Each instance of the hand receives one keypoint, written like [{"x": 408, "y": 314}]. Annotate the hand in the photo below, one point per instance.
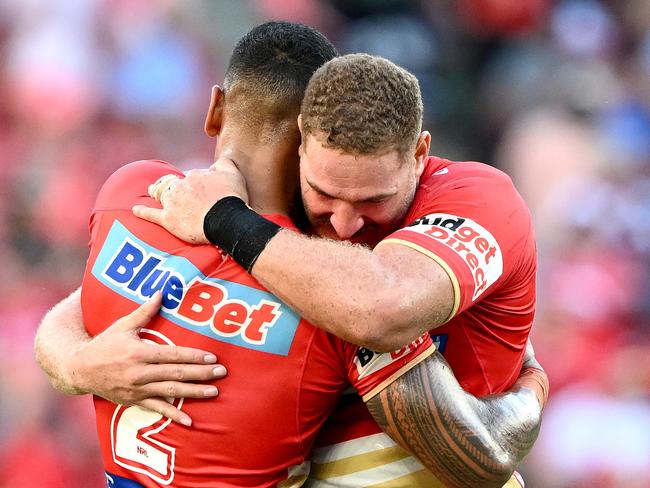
[
  {"x": 119, "y": 366},
  {"x": 530, "y": 361},
  {"x": 186, "y": 201},
  {"x": 533, "y": 376}
]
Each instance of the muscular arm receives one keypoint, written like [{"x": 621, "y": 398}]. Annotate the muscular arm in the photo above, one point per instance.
[
  {"x": 58, "y": 338},
  {"x": 463, "y": 440},
  {"x": 380, "y": 299},
  {"x": 117, "y": 364}
]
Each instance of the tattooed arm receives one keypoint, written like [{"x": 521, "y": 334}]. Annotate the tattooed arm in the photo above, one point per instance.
[{"x": 463, "y": 440}]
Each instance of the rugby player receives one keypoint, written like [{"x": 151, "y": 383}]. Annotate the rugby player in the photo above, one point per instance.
[
  {"x": 453, "y": 247},
  {"x": 260, "y": 195}
]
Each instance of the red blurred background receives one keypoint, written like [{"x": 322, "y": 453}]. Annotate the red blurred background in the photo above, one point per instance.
[{"x": 555, "y": 93}]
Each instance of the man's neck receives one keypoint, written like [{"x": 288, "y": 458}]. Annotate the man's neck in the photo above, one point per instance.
[{"x": 270, "y": 171}]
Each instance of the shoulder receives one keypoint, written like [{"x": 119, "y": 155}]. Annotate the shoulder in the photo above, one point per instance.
[
  {"x": 144, "y": 169},
  {"x": 129, "y": 184},
  {"x": 465, "y": 188},
  {"x": 446, "y": 176}
]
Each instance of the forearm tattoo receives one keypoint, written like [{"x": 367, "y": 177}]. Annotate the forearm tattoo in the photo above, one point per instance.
[{"x": 464, "y": 441}]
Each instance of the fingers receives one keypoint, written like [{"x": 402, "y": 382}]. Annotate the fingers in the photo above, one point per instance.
[
  {"x": 166, "y": 409},
  {"x": 176, "y": 389},
  {"x": 161, "y": 185},
  {"x": 142, "y": 315},
  {"x": 530, "y": 351},
  {"x": 157, "y": 353},
  {"x": 154, "y": 215},
  {"x": 180, "y": 372},
  {"x": 530, "y": 361}
]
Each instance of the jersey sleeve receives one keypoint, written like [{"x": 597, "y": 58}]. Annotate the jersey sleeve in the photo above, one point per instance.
[
  {"x": 476, "y": 231},
  {"x": 126, "y": 187},
  {"x": 370, "y": 372},
  {"x": 129, "y": 185}
]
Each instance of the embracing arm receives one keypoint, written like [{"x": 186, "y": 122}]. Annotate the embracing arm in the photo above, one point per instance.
[
  {"x": 396, "y": 293},
  {"x": 393, "y": 291},
  {"x": 141, "y": 374},
  {"x": 59, "y": 336},
  {"x": 463, "y": 440}
]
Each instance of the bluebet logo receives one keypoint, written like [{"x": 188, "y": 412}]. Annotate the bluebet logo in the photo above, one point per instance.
[{"x": 220, "y": 309}]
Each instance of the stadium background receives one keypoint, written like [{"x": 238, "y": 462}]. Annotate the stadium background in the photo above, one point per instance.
[{"x": 555, "y": 93}]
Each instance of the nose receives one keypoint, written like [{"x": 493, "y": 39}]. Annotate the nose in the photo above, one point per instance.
[{"x": 345, "y": 220}]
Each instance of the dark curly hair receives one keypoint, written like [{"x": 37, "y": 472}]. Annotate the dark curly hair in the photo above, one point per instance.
[{"x": 272, "y": 65}]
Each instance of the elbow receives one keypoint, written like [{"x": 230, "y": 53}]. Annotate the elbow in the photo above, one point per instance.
[
  {"x": 380, "y": 342},
  {"x": 497, "y": 469},
  {"x": 488, "y": 470},
  {"x": 503, "y": 471},
  {"x": 38, "y": 350},
  {"x": 377, "y": 335},
  {"x": 504, "y": 459},
  {"x": 390, "y": 325}
]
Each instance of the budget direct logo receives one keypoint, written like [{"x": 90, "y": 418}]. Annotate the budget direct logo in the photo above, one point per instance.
[
  {"x": 472, "y": 242},
  {"x": 222, "y": 310}
]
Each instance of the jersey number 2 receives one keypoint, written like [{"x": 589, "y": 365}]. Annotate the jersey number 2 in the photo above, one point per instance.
[{"x": 133, "y": 434}]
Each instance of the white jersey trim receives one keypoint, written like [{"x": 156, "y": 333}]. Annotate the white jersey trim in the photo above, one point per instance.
[{"x": 353, "y": 447}]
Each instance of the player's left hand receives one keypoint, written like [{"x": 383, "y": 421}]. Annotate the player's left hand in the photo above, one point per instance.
[
  {"x": 530, "y": 361},
  {"x": 186, "y": 201}
]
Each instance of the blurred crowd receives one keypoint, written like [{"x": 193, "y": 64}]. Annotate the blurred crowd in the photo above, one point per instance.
[{"x": 556, "y": 93}]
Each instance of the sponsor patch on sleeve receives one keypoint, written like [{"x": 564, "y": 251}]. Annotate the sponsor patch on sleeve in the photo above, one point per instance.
[
  {"x": 473, "y": 243},
  {"x": 369, "y": 362},
  {"x": 373, "y": 371}
]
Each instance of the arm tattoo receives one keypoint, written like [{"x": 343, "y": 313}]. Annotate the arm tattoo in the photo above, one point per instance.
[{"x": 464, "y": 441}]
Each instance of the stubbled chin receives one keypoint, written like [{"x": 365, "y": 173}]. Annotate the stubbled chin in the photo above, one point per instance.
[
  {"x": 325, "y": 232},
  {"x": 330, "y": 233},
  {"x": 366, "y": 241}
]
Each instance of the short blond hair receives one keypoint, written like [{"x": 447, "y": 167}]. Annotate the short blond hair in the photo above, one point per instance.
[{"x": 364, "y": 105}]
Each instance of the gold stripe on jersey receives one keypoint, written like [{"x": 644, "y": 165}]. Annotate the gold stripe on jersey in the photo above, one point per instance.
[
  {"x": 441, "y": 262},
  {"x": 429, "y": 351},
  {"x": 364, "y": 462},
  {"x": 360, "y": 462},
  {"x": 352, "y": 447},
  {"x": 391, "y": 467},
  {"x": 515, "y": 481},
  {"x": 400, "y": 474},
  {"x": 293, "y": 482},
  {"x": 420, "y": 478},
  {"x": 296, "y": 476},
  {"x": 374, "y": 461}
]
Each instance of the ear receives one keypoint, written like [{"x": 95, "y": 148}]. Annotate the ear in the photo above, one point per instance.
[
  {"x": 300, "y": 148},
  {"x": 422, "y": 151},
  {"x": 214, "y": 117}
]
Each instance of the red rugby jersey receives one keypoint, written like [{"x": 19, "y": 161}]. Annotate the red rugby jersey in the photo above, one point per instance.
[
  {"x": 284, "y": 375},
  {"x": 469, "y": 218}
]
